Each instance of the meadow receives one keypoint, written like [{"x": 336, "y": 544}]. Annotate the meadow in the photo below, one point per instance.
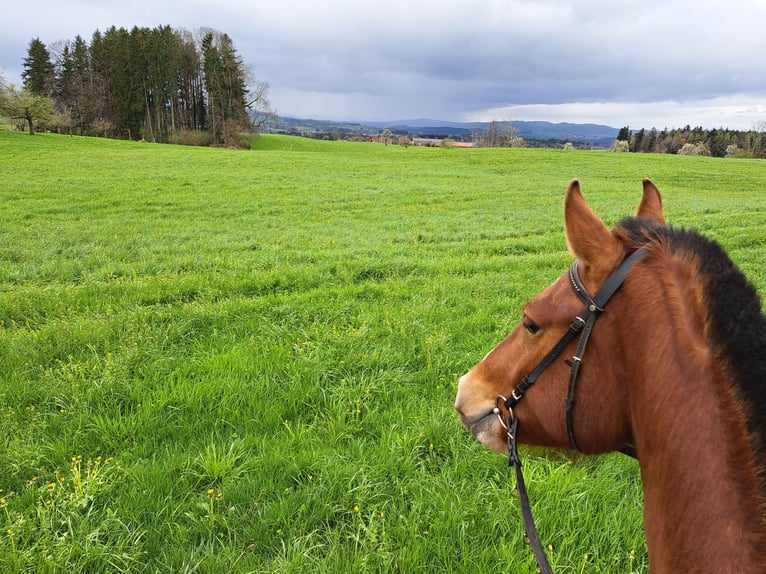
[{"x": 225, "y": 361}]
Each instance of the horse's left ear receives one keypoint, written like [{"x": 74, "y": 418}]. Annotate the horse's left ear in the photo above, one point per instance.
[
  {"x": 651, "y": 203},
  {"x": 588, "y": 238}
]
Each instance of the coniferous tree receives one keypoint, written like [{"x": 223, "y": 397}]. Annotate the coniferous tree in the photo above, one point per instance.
[
  {"x": 38, "y": 73},
  {"x": 82, "y": 97},
  {"x": 226, "y": 89},
  {"x": 190, "y": 84},
  {"x": 624, "y": 134}
]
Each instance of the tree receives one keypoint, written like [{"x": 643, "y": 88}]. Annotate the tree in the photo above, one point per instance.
[
  {"x": 636, "y": 144},
  {"x": 499, "y": 134},
  {"x": 651, "y": 140},
  {"x": 22, "y": 104},
  {"x": 81, "y": 86},
  {"x": 190, "y": 85},
  {"x": 624, "y": 134},
  {"x": 755, "y": 140},
  {"x": 226, "y": 88},
  {"x": 258, "y": 103},
  {"x": 38, "y": 70}
]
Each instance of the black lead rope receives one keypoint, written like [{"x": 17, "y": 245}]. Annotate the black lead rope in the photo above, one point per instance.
[
  {"x": 526, "y": 508},
  {"x": 584, "y": 322}
]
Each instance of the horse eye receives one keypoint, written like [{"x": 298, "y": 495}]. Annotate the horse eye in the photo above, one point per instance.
[{"x": 531, "y": 326}]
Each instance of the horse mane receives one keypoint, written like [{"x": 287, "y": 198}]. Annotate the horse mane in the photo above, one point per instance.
[{"x": 736, "y": 323}]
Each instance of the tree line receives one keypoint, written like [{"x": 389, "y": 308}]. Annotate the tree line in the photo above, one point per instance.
[
  {"x": 157, "y": 84},
  {"x": 697, "y": 141}
]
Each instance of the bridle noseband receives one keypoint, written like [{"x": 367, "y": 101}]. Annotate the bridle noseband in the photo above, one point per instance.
[{"x": 583, "y": 324}]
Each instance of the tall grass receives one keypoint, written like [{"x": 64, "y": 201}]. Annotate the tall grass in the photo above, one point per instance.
[{"x": 216, "y": 360}]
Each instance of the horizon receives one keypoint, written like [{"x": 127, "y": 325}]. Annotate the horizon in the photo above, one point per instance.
[{"x": 436, "y": 123}]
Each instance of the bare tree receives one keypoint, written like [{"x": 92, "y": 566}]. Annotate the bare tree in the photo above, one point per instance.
[
  {"x": 754, "y": 144},
  {"x": 499, "y": 134},
  {"x": 258, "y": 102}
]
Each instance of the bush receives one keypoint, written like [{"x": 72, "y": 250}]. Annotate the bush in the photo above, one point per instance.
[
  {"x": 694, "y": 149},
  {"x": 620, "y": 146},
  {"x": 192, "y": 138},
  {"x": 734, "y": 151}
]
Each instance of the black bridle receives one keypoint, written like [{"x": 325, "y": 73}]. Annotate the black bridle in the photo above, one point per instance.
[{"x": 582, "y": 324}]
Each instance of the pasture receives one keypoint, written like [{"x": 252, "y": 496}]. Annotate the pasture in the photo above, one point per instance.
[{"x": 224, "y": 361}]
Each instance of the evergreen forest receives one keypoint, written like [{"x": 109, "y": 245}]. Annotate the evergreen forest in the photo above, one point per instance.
[{"x": 157, "y": 84}]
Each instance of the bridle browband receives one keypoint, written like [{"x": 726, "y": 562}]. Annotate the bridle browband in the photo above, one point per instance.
[{"x": 583, "y": 324}]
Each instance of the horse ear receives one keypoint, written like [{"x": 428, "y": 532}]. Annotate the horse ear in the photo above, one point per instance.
[
  {"x": 651, "y": 203},
  {"x": 588, "y": 238}
]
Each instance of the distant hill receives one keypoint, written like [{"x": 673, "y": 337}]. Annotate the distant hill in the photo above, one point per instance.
[{"x": 594, "y": 134}]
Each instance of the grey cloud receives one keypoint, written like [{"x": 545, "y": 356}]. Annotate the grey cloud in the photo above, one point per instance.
[{"x": 364, "y": 60}]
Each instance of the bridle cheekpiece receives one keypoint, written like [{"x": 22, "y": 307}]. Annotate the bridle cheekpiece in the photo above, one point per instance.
[{"x": 582, "y": 324}]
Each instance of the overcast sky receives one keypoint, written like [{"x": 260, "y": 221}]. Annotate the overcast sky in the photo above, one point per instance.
[{"x": 643, "y": 63}]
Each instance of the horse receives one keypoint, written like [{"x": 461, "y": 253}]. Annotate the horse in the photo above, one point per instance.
[{"x": 674, "y": 374}]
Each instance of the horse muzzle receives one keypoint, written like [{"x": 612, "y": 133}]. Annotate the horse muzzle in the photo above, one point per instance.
[{"x": 479, "y": 416}]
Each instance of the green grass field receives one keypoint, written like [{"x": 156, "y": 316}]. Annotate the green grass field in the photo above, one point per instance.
[{"x": 224, "y": 361}]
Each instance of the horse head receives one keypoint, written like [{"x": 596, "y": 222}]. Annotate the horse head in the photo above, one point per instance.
[{"x": 600, "y": 413}]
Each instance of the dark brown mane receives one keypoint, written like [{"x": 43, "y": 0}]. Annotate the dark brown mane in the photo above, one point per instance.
[{"x": 737, "y": 326}]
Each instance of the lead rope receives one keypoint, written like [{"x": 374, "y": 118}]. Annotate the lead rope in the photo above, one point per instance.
[{"x": 526, "y": 508}]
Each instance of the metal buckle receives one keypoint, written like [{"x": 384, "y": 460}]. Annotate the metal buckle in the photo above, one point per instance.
[{"x": 501, "y": 400}]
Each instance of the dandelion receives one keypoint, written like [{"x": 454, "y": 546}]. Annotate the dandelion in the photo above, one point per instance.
[
  {"x": 51, "y": 485},
  {"x": 2, "y": 502},
  {"x": 219, "y": 496},
  {"x": 431, "y": 446},
  {"x": 211, "y": 492},
  {"x": 356, "y": 509}
]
